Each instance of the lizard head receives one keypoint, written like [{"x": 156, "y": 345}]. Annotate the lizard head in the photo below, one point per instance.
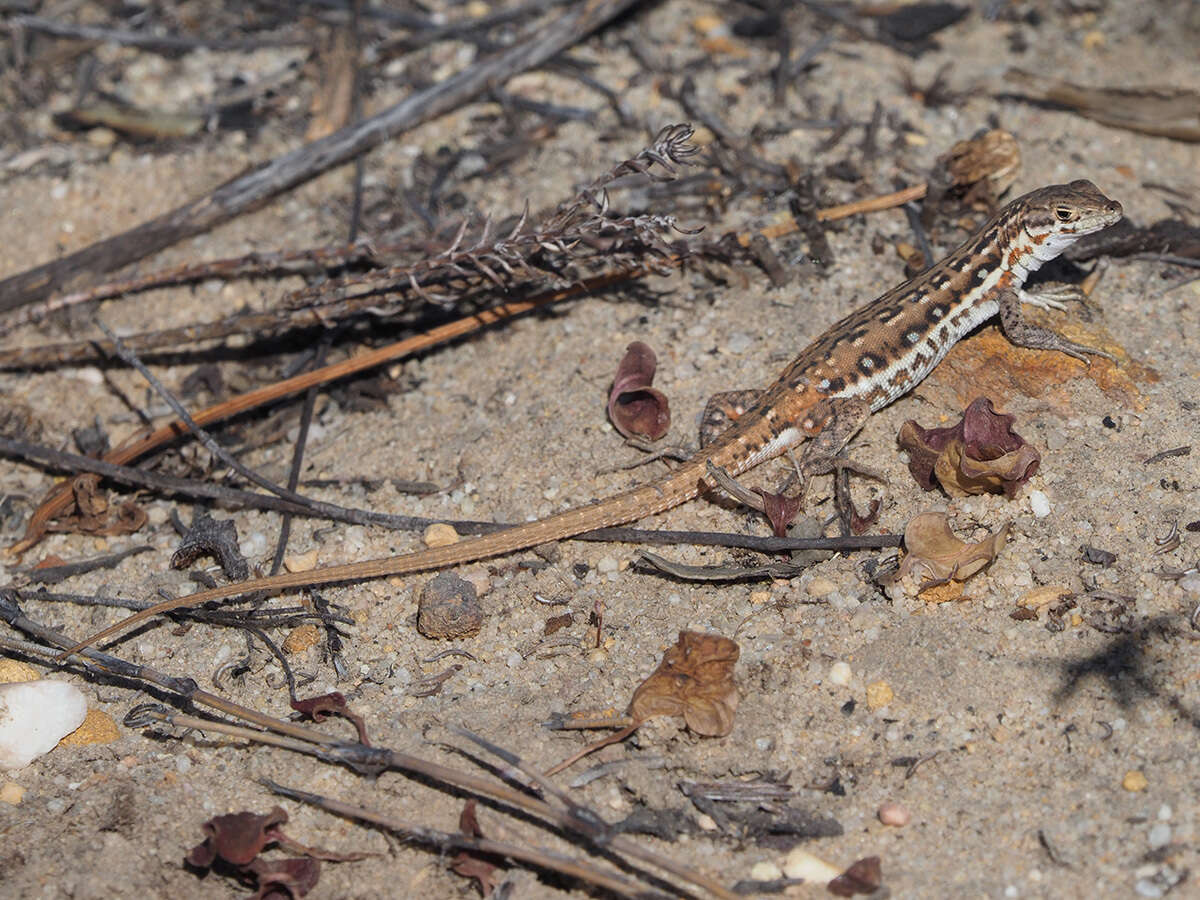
[{"x": 1058, "y": 215}]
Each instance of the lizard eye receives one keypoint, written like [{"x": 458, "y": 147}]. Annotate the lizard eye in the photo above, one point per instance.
[{"x": 1063, "y": 213}]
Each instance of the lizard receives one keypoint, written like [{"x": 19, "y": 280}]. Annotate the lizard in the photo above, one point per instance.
[{"x": 824, "y": 396}]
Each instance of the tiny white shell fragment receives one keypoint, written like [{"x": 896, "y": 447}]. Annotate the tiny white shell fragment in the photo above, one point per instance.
[
  {"x": 34, "y": 717},
  {"x": 1040, "y": 504}
]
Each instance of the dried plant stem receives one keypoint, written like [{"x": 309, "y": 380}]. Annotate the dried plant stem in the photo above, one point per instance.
[
  {"x": 255, "y": 188},
  {"x": 60, "y": 497},
  {"x": 446, "y": 841},
  {"x": 299, "y": 738}
]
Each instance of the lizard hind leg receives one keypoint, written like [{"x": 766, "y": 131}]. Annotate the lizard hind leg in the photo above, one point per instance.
[
  {"x": 825, "y": 453},
  {"x": 723, "y": 410}
]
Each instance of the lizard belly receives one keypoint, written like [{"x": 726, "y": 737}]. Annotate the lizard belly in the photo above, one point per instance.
[{"x": 785, "y": 440}]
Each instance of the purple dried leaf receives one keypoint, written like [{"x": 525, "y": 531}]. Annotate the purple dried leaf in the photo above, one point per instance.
[
  {"x": 236, "y": 838},
  {"x": 635, "y": 408},
  {"x": 980, "y": 454},
  {"x": 863, "y": 877},
  {"x": 284, "y": 879},
  {"x": 331, "y": 704},
  {"x": 780, "y": 510}
]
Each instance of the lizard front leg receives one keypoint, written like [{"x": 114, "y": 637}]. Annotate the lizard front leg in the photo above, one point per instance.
[{"x": 1026, "y": 334}]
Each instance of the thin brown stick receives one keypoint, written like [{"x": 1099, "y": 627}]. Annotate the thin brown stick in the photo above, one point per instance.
[
  {"x": 255, "y": 188},
  {"x": 59, "y": 498},
  {"x": 592, "y": 748},
  {"x": 843, "y": 211}
]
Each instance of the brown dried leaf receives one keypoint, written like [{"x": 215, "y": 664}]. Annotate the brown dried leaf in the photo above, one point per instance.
[
  {"x": 936, "y": 555},
  {"x": 236, "y": 838},
  {"x": 980, "y": 454},
  {"x": 863, "y": 877},
  {"x": 635, "y": 408},
  {"x": 695, "y": 681},
  {"x": 331, "y": 704},
  {"x": 468, "y": 864},
  {"x": 987, "y": 364},
  {"x": 93, "y": 513}
]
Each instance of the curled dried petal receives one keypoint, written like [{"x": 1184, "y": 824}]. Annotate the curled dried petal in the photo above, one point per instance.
[
  {"x": 695, "y": 681},
  {"x": 980, "y": 454},
  {"x": 635, "y": 408},
  {"x": 935, "y": 555}
]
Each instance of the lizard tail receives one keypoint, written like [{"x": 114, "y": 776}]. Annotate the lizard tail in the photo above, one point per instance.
[{"x": 678, "y": 487}]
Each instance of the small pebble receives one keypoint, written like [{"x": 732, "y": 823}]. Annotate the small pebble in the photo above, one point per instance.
[
  {"x": 439, "y": 534},
  {"x": 1190, "y": 583},
  {"x": 597, "y": 656},
  {"x": 840, "y": 673},
  {"x": 607, "y": 565},
  {"x": 98, "y": 728},
  {"x": 821, "y": 587},
  {"x": 739, "y": 342},
  {"x": 1159, "y": 836},
  {"x": 12, "y": 793},
  {"x": 802, "y": 864},
  {"x": 1147, "y": 888},
  {"x": 14, "y": 670},
  {"x": 34, "y": 717},
  {"x": 1040, "y": 504},
  {"x": 765, "y": 871},
  {"x": 301, "y": 638},
  {"x": 301, "y": 562},
  {"x": 1134, "y": 780},
  {"x": 706, "y": 822},
  {"x": 449, "y": 608},
  {"x": 879, "y": 695},
  {"x": 1165, "y": 812},
  {"x": 894, "y": 814}
]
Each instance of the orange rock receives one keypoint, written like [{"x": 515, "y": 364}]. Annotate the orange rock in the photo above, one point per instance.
[
  {"x": 301, "y": 638},
  {"x": 97, "y": 728}
]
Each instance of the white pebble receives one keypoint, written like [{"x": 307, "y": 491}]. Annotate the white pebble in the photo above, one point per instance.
[
  {"x": 1040, "y": 504},
  {"x": 34, "y": 717},
  {"x": 840, "y": 673},
  {"x": 1165, "y": 812},
  {"x": 765, "y": 871},
  {"x": 1190, "y": 583},
  {"x": 739, "y": 342},
  {"x": 607, "y": 565},
  {"x": 802, "y": 864},
  {"x": 1160, "y": 835}
]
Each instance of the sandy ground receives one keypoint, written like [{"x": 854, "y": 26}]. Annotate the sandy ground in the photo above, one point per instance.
[{"x": 1025, "y": 734}]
